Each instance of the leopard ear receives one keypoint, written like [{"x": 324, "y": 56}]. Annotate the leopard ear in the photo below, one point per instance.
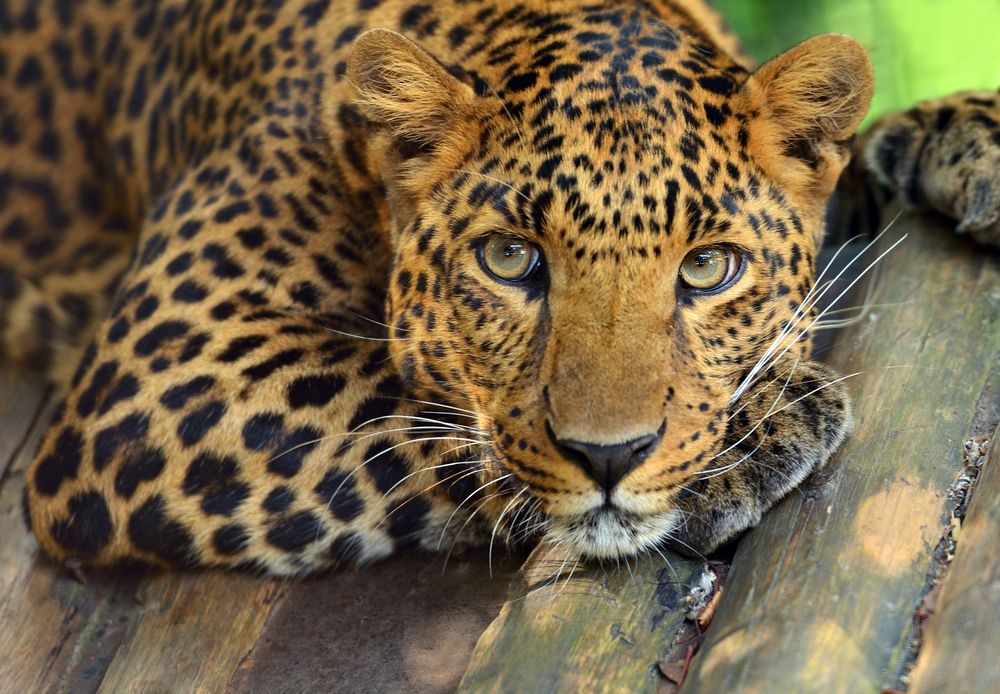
[
  {"x": 404, "y": 90},
  {"x": 806, "y": 105}
]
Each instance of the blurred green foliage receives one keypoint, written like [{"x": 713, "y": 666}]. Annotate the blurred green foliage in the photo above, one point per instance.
[{"x": 921, "y": 48}]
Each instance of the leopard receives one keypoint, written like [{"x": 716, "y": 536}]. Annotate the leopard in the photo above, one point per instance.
[{"x": 319, "y": 281}]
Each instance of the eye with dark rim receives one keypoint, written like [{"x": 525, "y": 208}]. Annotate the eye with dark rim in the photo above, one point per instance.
[
  {"x": 710, "y": 269},
  {"x": 509, "y": 259}
]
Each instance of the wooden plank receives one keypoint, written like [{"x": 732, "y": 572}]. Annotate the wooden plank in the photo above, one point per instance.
[
  {"x": 191, "y": 632},
  {"x": 598, "y": 630},
  {"x": 823, "y": 592},
  {"x": 21, "y": 395},
  {"x": 407, "y": 624},
  {"x": 961, "y": 649}
]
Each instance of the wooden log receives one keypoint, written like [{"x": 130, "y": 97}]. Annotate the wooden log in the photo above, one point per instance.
[
  {"x": 822, "y": 594},
  {"x": 961, "y": 649},
  {"x": 191, "y": 632},
  {"x": 597, "y": 630},
  {"x": 21, "y": 396}
]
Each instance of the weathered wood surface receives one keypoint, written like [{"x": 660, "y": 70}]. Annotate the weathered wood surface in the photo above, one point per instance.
[
  {"x": 961, "y": 650},
  {"x": 822, "y": 594},
  {"x": 567, "y": 628}
]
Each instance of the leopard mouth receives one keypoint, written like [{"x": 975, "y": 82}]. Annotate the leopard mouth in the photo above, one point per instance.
[{"x": 609, "y": 532}]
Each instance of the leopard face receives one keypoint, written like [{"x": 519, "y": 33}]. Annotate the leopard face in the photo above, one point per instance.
[{"x": 592, "y": 255}]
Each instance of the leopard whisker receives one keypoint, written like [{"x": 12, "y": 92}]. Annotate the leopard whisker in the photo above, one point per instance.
[
  {"x": 351, "y": 474},
  {"x": 496, "y": 526},
  {"x": 766, "y": 361},
  {"x": 815, "y": 293},
  {"x": 361, "y": 437},
  {"x": 462, "y": 503},
  {"x": 776, "y": 399},
  {"x": 425, "y": 469},
  {"x": 482, "y": 504}
]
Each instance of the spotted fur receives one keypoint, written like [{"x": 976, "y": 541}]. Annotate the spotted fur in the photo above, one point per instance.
[{"x": 242, "y": 238}]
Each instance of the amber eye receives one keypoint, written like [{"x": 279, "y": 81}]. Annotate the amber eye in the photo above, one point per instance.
[
  {"x": 709, "y": 267},
  {"x": 509, "y": 258}
]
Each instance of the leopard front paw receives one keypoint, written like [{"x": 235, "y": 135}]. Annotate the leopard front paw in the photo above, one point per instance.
[
  {"x": 779, "y": 432},
  {"x": 944, "y": 155}
]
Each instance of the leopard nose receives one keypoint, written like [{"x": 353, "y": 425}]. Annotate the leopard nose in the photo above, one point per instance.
[{"x": 608, "y": 464}]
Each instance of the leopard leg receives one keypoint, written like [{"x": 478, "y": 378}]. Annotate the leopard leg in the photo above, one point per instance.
[
  {"x": 778, "y": 434},
  {"x": 234, "y": 410},
  {"x": 943, "y": 155}
]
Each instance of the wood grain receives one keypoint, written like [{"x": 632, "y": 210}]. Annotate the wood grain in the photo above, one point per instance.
[
  {"x": 823, "y": 592},
  {"x": 601, "y": 630},
  {"x": 961, "y": 650}
]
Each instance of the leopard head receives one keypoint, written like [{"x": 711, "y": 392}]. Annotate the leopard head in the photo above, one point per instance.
[{"x": 595, "y": 241}]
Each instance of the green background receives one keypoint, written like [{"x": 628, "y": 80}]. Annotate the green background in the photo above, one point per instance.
[{"x": 921, "y": 48}]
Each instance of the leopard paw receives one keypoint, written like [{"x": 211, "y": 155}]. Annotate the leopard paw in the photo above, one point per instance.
[
  {"x": 778, "y": 433},
  {"x": 944, "y": 155}
]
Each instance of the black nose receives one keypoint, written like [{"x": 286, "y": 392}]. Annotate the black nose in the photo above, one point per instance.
[{"x": 608, "y": 464}]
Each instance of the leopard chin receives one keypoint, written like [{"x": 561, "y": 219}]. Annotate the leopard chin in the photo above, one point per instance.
[{"x": 611, "y": 533}]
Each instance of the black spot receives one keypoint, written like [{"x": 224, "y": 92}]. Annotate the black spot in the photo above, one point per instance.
[
  {"x": 126, "y": 388},
  {"x": 522, "y": 81},
  {"x": 189, "y": 229},
  {"x": 279, "y": 500},
  {"x": 189, "y": 292},
  {"x": 109, "y": 440},
  {"x": 232, "y": 211},
  {"x": 262, "y": 431},
  {"x": 150, "y": 530},
  {"x": 223, "y": 310},
  {"x": 230, "y": 539},
  {"x": 314, "y": 391},
  {"x": 280, "y": 360},
  {"x": 164, "y": 332},
  {"x": 143, "y": 465},
  {"x": 153, "y": 249},
  {"x": 196, "y": 425},
  {"x": 717, "y": 84},
  {"x": 224, "y": 500},
  {"x": 180, "y": 264},
  {"x": 337, "y": 492},
  {"x": 146, "y": 308},
  {"x": 208, "y": 471},
  {"x": 296, "y": 532},
  {"x": 239, "y": 347},
  {"x": 193, "y": 347},
  {"x": 346, "y": 549},
  {"x": 413, "y": 15},
  {"x": 292, "y": 451},
  {"x": 384, "y": 466},
  {"x": 382, "y": 404},
  {"x": 177, "y": 397},
  {"x": 564, "y": 72},
  {"x": 223, "y": 266},
  {"x": 88, "y": 528},
  {"x": 346, "y": 36},
  {"x": 408, "y": 518},
  {"x": 62, "y": 463},
  {"x": 313, "y": 11},
  {"x": 252, "y": 237},
  {"x": 118, "y": 331},
  {"x": 103, "y": 374}
]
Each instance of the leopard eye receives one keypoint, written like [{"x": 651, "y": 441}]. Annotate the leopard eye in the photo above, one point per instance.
[
  {"x": 710, "y": 268},
  {"x": 509, "y": 258}
]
